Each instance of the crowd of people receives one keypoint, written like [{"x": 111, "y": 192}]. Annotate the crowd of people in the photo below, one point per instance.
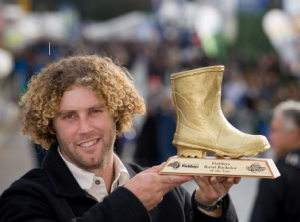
[{"x": 249, "y": 89}]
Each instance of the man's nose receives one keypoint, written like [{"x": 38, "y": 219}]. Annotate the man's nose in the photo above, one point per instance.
[{"x": 85, "y": 126}]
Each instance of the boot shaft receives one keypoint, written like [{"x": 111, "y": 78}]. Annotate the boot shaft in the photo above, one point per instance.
[{"x": 201, "y": 88}]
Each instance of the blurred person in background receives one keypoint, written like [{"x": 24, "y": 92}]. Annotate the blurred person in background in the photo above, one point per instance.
[
  {"x": 154, "y": 144},
  {"x": 279, "y": 199},
  {"x": 74, "y": 108}
]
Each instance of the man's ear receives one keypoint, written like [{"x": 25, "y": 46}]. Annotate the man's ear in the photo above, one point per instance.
[{"x": 51, "y": 129}]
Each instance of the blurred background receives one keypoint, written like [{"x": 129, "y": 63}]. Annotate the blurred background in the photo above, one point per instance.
[{"x": 257, "y": 41}]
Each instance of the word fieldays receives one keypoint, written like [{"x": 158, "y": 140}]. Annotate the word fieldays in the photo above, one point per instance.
[
  {"x": 220, "y": 165},
  {"x": 190, "y": 165}
]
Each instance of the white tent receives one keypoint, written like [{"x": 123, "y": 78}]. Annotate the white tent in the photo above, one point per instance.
[{"x": 131, "y": 26}]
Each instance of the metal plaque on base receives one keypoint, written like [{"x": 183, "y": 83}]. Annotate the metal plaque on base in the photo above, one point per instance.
[{"x": 263, "y": 168}]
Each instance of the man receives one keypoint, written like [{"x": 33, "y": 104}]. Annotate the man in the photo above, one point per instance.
[
  {"x": 75, "y": 108},
  {"x": 279, "y": 199}
]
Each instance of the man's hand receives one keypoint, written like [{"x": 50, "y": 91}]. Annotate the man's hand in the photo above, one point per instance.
[
  {"x": 150, "y": 187},
  {"x": 210, "y": 189}
]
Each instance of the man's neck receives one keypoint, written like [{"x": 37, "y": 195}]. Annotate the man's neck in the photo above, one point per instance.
[
  {"x": 107, "y": 173},
  {"x": 295, "y": 146}
]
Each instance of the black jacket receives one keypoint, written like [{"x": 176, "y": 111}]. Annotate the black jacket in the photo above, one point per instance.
[
  {"x": 51, "y": 193},
  {"x": 279, "y": 199}
]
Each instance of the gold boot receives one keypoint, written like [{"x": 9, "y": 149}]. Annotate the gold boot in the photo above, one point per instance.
[{"x": 201, "y": 125}]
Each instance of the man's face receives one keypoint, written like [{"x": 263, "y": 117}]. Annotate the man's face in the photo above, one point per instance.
[
  {"x": 84, "y": 128},
  {"x": 281, "y": 139}
]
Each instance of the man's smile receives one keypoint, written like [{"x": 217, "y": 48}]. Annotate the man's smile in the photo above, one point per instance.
[{"x": 89, "y": 143}]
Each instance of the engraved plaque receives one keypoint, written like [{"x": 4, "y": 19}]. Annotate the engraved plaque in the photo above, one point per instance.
[{"x": 264, "y": 168}]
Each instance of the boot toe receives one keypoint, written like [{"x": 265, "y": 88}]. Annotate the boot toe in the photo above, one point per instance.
[{"x": 253, "y": 144}]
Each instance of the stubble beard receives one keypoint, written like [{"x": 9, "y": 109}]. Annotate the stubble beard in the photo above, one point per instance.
[{"x": 77, "y": 158}]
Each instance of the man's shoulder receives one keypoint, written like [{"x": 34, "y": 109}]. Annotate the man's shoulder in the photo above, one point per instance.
[
  {"x": 289, "y": 164},
  {"x": 35, "y": 178},
  {"x": 289, "y": 168}
]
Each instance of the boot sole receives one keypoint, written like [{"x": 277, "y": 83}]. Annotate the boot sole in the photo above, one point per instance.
[{"x": 191, "y": 150}]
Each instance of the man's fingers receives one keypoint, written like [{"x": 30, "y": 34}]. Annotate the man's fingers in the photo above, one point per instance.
[
  {"x": 200, "y": 182},
  {"x": 221, "y": 179},
  {"x": 215, "y": 184},
  {"x": 229, "y": 182},
  {"x": 237, "y": 180},
  {"x": 206, "y": 179},
  {"x": 171, "y": 179}
]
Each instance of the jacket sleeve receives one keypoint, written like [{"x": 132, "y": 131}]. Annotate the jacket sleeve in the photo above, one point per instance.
[
  {"x": 120, "y": 205},
  {"x": 192, "y": 214},
  {"x": 21, "y": 203},
  {"x": 25, "y": 202},
  {"x": 228, "y": 214}
]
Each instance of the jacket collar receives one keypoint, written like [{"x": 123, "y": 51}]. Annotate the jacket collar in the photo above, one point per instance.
[
  {"x": 291, "y": 159},
  {"x": 61, "y": 177}
]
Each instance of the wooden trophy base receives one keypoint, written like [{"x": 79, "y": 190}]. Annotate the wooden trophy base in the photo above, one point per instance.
[{"x": 262, "y": 168}]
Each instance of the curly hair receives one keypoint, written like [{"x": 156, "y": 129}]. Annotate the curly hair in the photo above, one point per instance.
[{"x": 106, "y": 79}]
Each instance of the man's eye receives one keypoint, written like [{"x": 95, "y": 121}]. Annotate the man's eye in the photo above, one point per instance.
[
  {"x": 70, "y": 116},
  {"x": 96, "y": 111}
]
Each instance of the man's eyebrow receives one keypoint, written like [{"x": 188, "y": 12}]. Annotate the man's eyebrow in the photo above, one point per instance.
[
  {"x": 63, "y": 112},
  {"x": 100, "y": 106}
]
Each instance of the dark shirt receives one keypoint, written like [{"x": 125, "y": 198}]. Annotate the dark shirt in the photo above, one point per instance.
[{"x": 279, "y": 199}]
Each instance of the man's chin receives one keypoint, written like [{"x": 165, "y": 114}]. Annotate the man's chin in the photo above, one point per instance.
[{"x": 89, "y": 166}]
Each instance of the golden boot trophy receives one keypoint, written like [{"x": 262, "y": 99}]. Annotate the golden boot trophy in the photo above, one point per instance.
[{"x": 202, "y": 127}]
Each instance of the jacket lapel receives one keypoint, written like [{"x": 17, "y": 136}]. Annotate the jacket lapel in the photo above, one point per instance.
[{"x": 61, "y": 177}]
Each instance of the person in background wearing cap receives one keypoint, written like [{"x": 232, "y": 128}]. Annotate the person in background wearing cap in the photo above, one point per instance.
[
  {"x": 279, "y": 199},
  {"x": 74, "y": 108}
]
